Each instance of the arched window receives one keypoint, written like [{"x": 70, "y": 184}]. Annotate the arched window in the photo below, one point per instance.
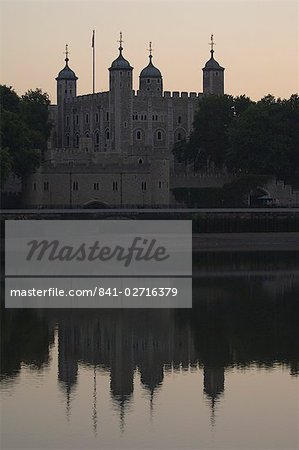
[
  {"x": 180, "y": 134},
  {"x": 67, "y": 140},
  {"x": 138, "y": 135},
  {"x": 180, "y": 119},
  {"x": 87, "y": 118},
  {"x": 87, "y": 134},
  {"x": 107, "y": 135},
  {"x": 159, "y": 135},
  {"x": 97, "y": 138}
]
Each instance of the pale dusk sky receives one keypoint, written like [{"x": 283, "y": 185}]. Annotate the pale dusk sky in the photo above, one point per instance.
[{"x": 257, "y": 43}]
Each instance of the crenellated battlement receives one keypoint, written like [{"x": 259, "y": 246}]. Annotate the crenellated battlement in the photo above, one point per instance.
[
  {"x": 169, "y": 94},
  {"x": 137, "y": 94},
  {"x": 88, "y": 97}
]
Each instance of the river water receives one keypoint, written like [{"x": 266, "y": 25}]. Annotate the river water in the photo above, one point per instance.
[{"x": 223, "y": 375}]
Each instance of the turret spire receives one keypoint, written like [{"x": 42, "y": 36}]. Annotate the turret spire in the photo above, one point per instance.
[
  {"x": 120, "y": 48},
  {"x": 212, "y": 44},
  {"x": 150, "y": 50},
  {"x": 66, "y": 53}
]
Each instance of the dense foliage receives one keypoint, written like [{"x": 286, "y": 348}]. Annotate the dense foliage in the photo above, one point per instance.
[
  {"x": 24, "y": 130},
  {"x": 245, "y": 136}
]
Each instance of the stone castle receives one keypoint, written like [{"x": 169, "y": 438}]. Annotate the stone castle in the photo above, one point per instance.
[{"x": 114, "y": 148}]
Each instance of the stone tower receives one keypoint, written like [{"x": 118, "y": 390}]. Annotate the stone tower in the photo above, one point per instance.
[
  {"x": 213, "y": 75},
  {"x": 120, "y": 103},
  {"x": 150, "y": 78},
  {"x": 66, "y": 90}
]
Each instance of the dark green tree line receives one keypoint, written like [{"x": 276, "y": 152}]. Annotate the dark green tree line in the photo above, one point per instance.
[
  {"x": 247, "y": 137},
  {"x": 24, "y": 130}
]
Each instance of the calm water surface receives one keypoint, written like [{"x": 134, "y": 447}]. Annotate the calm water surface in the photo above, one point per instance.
[{"x": 223, "y": 375}]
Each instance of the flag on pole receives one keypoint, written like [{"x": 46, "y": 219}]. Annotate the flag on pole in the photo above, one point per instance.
[{"x": 92, "y": 39}]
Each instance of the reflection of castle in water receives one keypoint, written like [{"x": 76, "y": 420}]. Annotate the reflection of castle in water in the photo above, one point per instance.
[
  {"x": 154, "y": 343},
  {"x": 241, "y": 323}
]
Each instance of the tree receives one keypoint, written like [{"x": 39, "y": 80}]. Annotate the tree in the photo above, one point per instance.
[
  {"x": 5, "y": 165},
  {"x": 9, "y": 100},
  {"x": 264, "y": 138},
  {"x": 35, "y": 113},
  {"x": 24, "y": 131},
  {"x": 209, "y": 140}
]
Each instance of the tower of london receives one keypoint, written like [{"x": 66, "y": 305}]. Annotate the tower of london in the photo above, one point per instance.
[{"x": 115, "y": 147}]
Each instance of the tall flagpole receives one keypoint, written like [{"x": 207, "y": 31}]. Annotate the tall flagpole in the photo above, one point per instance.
[{"x": 93, "y": 61}]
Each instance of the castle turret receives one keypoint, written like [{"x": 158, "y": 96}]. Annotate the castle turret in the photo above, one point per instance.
[
  {"x": 150, "y": 78},
  {"x": 120, "y": 102},
  {"x": 66, "y": 89},
  {"x": 213, "y": 74}
]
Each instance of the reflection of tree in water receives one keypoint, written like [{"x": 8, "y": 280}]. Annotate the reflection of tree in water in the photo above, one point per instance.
[
  {"x": 235, "y": 323},
  {"x": 25, "y": 338}
]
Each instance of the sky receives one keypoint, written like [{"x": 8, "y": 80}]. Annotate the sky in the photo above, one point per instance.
[{"x": 256, "y": 42}]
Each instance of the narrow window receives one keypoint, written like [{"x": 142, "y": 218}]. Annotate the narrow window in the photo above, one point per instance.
[
  {"x": 67, "y": 141},
  {"x": 87, "y": 118},
  {"x": 46, "y": 185},
  {"x": 75, "y": 185},
  {"x": 115, "y": 186},
  {"x": 77, "y": 119},
  {"x": 159, "y": 135},
  {"x": 34, "y": 186},
  {"x": 96, "y": 186},
  {"x": 160, "y": 184},
  {"x": 180, "y": 119},
  {"x": 138, "y": 135},
  {"x": 97, "y": 117},
  {"x": 77, "y": 140}
]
